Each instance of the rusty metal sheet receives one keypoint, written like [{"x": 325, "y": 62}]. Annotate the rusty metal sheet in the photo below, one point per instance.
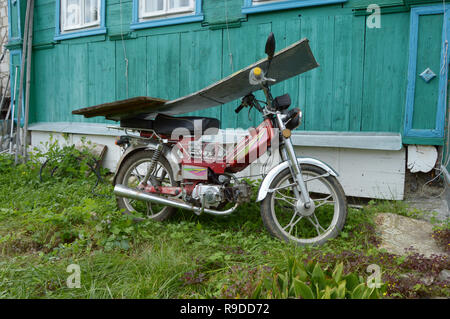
[
  {"x": 291, "y": 61},
  {"x": 122, "y": 109}
]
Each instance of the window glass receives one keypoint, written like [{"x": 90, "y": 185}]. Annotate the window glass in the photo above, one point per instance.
[
  {"x": 73, "y": 11},
  {"x": 165, "y": 7},
  {"x": 91, "y": 13},
  {"x": 154, "y": 5},
  {"x": 175, "y": 4},
  {"x": 78, "y": 14}
]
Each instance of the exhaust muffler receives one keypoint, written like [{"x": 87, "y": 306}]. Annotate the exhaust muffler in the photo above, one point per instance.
[{"x": 124, "y": 191}]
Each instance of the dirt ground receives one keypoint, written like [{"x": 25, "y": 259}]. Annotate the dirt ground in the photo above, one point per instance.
[{"x": 422, "y": 193}]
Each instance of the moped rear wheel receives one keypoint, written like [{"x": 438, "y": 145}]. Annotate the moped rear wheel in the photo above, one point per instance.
[
  {"x": 131, "y": 173},
  {"x": 286, "y": 218}
]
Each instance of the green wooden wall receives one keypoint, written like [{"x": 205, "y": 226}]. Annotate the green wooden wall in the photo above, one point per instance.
[{"x": 359, "y": 86}]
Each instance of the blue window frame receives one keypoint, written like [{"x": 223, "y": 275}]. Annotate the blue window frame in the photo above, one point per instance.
[
  {"x": 164, "y": 16},
  {"x": 13, "y": 62},
  {"x": 256, "y": 6},
  {"x": 438, "y": 131},
  {"x": 18, "y": 35},
  {"x": 85, "y": 28}
]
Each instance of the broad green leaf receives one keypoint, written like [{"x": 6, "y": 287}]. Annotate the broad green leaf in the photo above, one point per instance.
[
  {"x": 115, "y": 230},
  {"x": 337, "y": 272},
  {"x": 317, "y": 277},
  {"x": 333, "y": 293},
  {"x": 340, "y": 291},
  {"x": 301, "y": 274},
  {"x": 310, "y": 266},
  {"x": 358, "y": 292},
  {"x": 282, "y": 282},
  {"x": 125, "y": 244},
  {"x": 326, "y": 293},
  {"x": 257, "y": 292},
  {"x": 301, "y": 289},
  {"x": 351, "y": 281}
]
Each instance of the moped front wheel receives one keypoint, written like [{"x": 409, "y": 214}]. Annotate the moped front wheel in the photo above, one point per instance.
[{"x": 286, "y": 217}]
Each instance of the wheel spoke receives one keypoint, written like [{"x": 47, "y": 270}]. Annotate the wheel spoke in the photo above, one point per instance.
[
  {"x": 315, "y": 177},
  {"x": 286, "y": 196},
  {"x": 324, "y": 201},
  {"x": 292, "y": 223},
  {"x": 149, "y": 209},
  {"x": 316, "y": 224},
  {"x": 282, "y": 187},
  {"x": 139, "y": 177}
]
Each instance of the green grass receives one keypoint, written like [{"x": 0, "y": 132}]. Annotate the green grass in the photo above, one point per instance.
[{"x": 46, "y": 226}]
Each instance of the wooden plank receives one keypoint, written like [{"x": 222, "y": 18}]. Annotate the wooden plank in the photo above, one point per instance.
[
  {"x": 45, "y": 16},
  {"x": 102, "y": 75},
  {"x": 423, "y": 140},
  {"x": 319, "y": 90},
  {"x": 131, "y": 78},
  {"x": 286, "y": 63},
  {"x": 77, "y": 86},
  {"x": 44, "y": 87},
  {"x": 364, "y": 173},
  {"x": 263, "y": 30},
  {"x": 278, "y": 27},
  {"x": 58, "y": 102},
  {"x": 200, "y": 65},
  {"x": 385, "y": 75},
  {"x": 342, "y": 62},
  {"x": 163, "y": 66},
  {"x": 357, "y": 73},
  {"x": 114, "y": 24},
  {"x": 121, "y": 109},
  {"x": 222, "y": 11},
  {"x": 292, "y": 86},
  {"x": 234, "y": 59}
]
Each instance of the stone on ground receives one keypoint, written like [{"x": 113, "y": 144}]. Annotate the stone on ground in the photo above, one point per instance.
[{"x": 399, "y": 233}]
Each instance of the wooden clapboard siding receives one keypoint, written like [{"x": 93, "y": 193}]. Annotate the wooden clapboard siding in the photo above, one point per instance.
[
  {"x": 385, "y": 74},
  {"x": 131, "y": 68},
  {"x": 359, "y": 86},
  {"x": 319, "y": 89},
  {"x": 163, "y": 66},
  {"x": 101, "y": 72},
  {"x": 200, "y": 54}
]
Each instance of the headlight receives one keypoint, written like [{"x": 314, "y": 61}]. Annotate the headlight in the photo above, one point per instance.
[{"x": 292, "y": 118}]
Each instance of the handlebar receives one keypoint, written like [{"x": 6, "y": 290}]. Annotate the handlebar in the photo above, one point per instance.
[
  {"x": 239, "y": 108},
  {"x": 249, "y": 100}
]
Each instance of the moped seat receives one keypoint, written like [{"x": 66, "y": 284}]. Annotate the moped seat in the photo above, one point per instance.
[{"x": 166, "y": 125}]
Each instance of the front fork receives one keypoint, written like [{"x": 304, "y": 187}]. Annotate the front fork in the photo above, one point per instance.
[{"x": 288, "y": 154}]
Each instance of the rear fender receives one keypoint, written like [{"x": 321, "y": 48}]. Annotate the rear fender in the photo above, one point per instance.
[{"x": 265, "y": 185}]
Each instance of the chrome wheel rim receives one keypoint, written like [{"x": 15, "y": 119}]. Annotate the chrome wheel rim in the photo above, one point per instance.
[
  {"x": 300, "y": 227},
  {"x": 134, "y": 176}
]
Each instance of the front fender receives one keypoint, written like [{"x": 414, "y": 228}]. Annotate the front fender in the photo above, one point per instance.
[
  {"x": 167, "y": 153},
  {"x": 265, "y": 185}
]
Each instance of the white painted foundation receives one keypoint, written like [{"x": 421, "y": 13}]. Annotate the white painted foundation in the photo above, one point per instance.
[{"x": 112, "y": 154}]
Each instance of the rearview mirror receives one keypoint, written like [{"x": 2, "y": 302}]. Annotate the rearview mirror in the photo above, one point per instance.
[{"x": 270, "y": 46}]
